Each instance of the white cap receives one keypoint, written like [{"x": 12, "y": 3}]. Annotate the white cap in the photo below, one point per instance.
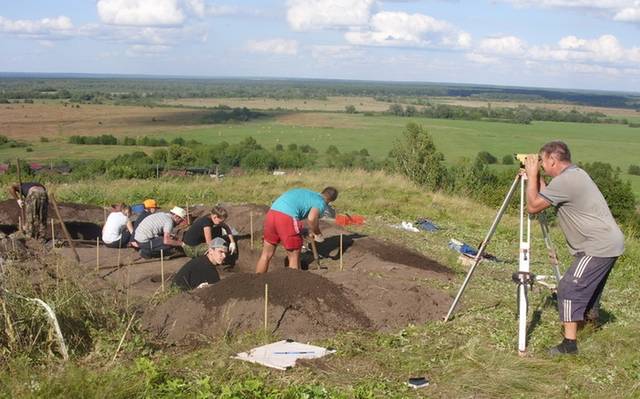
[{"x": 179, "y": 212}]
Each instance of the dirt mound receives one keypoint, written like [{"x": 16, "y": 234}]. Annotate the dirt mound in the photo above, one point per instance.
[{"x": 302, "y": 305}]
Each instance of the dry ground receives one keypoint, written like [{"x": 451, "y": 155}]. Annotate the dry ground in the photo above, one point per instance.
[
  {"x": 362, "y": 104},
  {"x": 53, "y": 119}
]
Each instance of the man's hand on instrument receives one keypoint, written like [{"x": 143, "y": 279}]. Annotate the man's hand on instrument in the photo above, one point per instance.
[
  {"x": 20, "y": 203},
  {"x": 232, "y": 248}
]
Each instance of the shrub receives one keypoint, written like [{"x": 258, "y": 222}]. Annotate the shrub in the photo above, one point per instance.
[
  {"x": 258, "y": 160},
  {"x": 350, "y": 109},
  {"x": 486, "y": 157},
  {"x": 415, "y": 156},
  {"x": 44, "y": 139},
  {"x": 3, "y": 139},
  {"x": 508, "y": 160},
  {"x": 634, "y": 170},
  {"x": 618, "y": 193}
]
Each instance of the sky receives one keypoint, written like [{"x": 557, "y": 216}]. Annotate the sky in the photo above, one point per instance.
[{"x": 577, "y": 44}]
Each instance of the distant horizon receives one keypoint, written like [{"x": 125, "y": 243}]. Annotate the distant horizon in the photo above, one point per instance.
[
  {"x": 587, "y": 45},
  {"x": 80, "y": 75}
]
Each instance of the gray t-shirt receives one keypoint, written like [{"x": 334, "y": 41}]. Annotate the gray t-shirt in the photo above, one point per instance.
[
  {"x": 153, "y": 226},
  {"x": 583, "y": 214}
]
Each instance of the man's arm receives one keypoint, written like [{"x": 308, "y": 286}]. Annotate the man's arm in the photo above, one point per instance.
[
  {"x": 314, "y": 222},
  {"x": 535, "y": 202},
  {"x": 167, "y": 240},
  {"x": 208, "y": 234},
  {"x": 14, "y": 190},
  {"x": 130, "y": 226}
]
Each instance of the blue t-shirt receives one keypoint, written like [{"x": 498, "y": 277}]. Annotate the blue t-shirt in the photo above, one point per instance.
[{"x": 298, "y": 202}]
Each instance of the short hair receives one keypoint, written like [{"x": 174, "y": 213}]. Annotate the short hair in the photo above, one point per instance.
[
  {"x": 219, "y": 212},
  {"x": 125, "y": 209},
  {"x": 557, "y": 148},
  {"x": 331, "y": 193}
]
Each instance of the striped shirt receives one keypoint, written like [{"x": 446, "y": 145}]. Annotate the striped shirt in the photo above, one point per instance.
[{"x": 153, "y": 226}]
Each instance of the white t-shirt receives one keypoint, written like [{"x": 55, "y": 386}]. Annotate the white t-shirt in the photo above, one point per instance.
[{"x": 112, "y": 231}]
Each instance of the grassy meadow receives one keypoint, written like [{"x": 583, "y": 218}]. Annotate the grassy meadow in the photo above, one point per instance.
[
  {"x": 615, "y": 144},
  {"x": 474, "y": 355}
]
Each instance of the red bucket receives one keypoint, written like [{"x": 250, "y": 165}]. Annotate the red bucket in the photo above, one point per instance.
[{"x": 345, "y": 220}]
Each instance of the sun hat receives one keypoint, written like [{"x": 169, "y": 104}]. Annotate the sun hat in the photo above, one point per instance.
[{"x": 179, "y": 212}]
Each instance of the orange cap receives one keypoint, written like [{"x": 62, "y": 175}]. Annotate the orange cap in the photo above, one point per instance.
[{"x": 150, "y": 203}]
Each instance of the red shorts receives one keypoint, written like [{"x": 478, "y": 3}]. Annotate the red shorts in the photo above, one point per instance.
[{"x": 280, "y": 227}]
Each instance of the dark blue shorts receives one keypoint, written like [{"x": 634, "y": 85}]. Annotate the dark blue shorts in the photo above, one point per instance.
[{"x": 584, "y": 280}]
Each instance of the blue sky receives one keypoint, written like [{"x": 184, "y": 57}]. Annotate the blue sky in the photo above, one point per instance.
[{"x": 582, "y": 44}]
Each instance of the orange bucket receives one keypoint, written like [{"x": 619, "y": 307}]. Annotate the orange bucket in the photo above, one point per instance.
[{"x": 345, "y": 220}]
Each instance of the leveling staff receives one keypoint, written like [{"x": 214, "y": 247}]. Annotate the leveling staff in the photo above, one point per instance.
[{"x": 593, "y": 237}]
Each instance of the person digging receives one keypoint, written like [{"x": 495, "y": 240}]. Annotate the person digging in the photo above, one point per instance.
[
  {"x": 283, "y": 223},
  {"x": 201, "y": 271},
  {"x": 153, "y": 236},
  {"x": 32, "y": 197},
  {"x": 204, "y": 230}
]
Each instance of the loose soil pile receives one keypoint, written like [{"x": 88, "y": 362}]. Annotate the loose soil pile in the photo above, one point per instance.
[{"x": 382, "y": 285}]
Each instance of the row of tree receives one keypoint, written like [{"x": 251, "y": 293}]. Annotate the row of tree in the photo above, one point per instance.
[{"x": 521, "y": 114}]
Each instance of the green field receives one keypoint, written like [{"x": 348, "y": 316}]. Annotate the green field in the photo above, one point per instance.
[{"x": 614, "y": 144}]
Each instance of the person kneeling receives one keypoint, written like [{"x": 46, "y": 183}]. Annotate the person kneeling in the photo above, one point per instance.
[{"x": 201, "y": 271}]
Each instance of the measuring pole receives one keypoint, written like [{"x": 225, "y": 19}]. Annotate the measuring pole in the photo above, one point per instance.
[
  {"x": 524, "y": 277},
  {"x": 22, "y": 218}
]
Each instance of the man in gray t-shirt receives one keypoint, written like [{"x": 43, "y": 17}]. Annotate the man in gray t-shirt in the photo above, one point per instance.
[
  {"x": 593, "y": 237},
  {"x": 154, "y": 233}
]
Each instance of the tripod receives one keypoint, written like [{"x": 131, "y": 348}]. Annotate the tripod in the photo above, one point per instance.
[{"x": 523, "y": 277}]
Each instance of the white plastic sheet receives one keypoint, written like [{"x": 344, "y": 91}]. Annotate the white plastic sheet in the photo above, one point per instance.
[{"x": 283, "y": 355}]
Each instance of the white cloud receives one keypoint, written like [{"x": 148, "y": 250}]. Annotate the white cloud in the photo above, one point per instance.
[
  {"x": 49, "y": 27},
  {"x": 410, "y": 30},
  {"x": 631, "y": 14},
  {"x": 305, "y": 15},
  {"x": 273, "y": 46},
  {"x": 504, "y": 45},
  {"x": 141, "y": 12},
  {"x": 618, "y": 10},
  {"x": 604, "y": 54}
]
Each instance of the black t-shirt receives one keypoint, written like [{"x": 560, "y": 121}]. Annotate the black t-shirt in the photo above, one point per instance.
[
  {"x": 195, "y": 272},
  {"x": 25, "y": 187},
  {"x": 195, "y": 234}
]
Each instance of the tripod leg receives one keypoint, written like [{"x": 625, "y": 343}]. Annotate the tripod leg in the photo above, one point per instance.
[
  {"x": 485, "y": 242},
  {"x": 553, "y": 257}
]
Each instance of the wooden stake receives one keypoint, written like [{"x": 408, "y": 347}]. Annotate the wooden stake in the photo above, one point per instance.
[
  {"x": 53, "y": 234},
  {"x": 20, "y": 227},
  {"x": 314, "y": 248},
  {"x": 266, "y": 307},
  {"x": 341, "y": 263},
  {"x": 188, "y": 216},
  {"x": 123, "y": 336},
  {"x": 251, "y": 227},
  {"x": 52, "y": 199},
  {"x": 97, "y": 254},
  {"x": 104, "y": 210},
  {"x": 162, "y": 268}
]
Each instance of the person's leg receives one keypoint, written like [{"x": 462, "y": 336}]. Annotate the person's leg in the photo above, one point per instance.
[
  {"x": 123, "y": 242},
  {"x": 294, "y": 258},
  {"x": 575, "y": 290},
  {"x": 268, "y": 250},
  {"x": 592, "y": 314}
]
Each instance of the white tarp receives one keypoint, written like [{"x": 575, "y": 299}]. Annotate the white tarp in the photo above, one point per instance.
[{"x": 282, "y": 355}]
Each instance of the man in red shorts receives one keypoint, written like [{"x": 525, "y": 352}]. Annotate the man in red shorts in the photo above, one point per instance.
[{"x": 283, "y": 223}]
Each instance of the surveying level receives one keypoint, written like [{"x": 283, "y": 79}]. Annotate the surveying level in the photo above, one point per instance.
[
  {"x": 523, "y": 157},
  {"x": 523, "y": 276}
]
